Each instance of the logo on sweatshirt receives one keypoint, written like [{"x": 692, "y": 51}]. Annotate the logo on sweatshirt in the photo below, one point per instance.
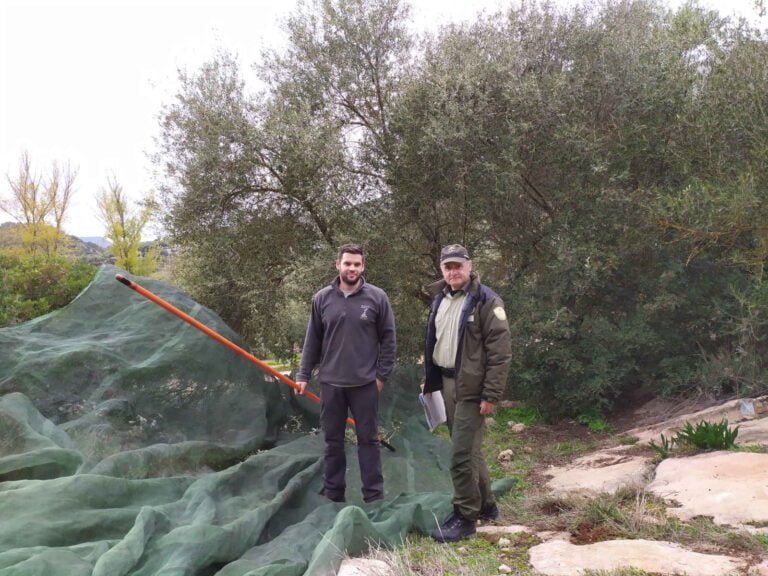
[{"x": 364, "y": 315}]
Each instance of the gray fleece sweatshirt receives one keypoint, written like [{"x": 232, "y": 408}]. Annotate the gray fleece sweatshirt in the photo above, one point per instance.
[{"x": 351, "y": 338}]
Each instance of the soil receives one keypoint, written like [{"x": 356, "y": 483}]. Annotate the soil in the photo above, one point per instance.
[
  {"x": 588, "y": 533},
  {"x": 655, "y": 410}
]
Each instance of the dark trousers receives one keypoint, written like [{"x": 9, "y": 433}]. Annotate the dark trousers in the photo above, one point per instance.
[
  {"x": 363, "y": 403},
  {"x": 469, "y": 472}
]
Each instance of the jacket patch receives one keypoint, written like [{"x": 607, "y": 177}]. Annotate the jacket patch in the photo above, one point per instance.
[{"x": 499, "y": 313}]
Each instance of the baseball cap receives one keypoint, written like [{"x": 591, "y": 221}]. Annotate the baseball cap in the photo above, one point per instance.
[{"x": 454, "y": 253}]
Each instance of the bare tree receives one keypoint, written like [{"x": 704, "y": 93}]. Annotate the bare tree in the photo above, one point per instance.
[
  {"x": 59, "y": 191},
  {"x": 28, "y": 203},
  {"x": 40, "y": 204}
]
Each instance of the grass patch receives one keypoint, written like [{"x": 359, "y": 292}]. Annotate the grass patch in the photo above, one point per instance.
[
  {"x": 628, "y": 440},
  {"x": 522, "y": 414},
  {"x": 756, "y": 448},
  {"x": 568, "y": 448},
  {"x": 595, "y": 423},
  {"x": 280, "y": 366},
  {"x": 422, "y": 556}
]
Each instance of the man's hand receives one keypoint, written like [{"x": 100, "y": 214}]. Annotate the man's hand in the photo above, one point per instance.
[
  {"x": 487, "y": 407},
  {"x": 302, "y": 387},
  {"x": 380, "y": 384}
]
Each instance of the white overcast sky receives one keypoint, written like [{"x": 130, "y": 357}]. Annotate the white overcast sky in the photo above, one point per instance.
[{"x": 84, "y": 81}]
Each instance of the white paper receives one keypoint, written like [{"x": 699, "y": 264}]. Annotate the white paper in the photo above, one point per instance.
[{"x": 434, "y": 408}]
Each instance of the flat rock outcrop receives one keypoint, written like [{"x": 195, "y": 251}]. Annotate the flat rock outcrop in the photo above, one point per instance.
[
  {"x": 364, "y": 567},
  {"x": 604, "y": 471},
  {"x": 560, "y": 558},
  {"x": 730, "y": 487}
]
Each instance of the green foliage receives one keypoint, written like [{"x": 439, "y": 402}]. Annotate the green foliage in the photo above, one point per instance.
[
  {"x": 124, "y": 226},
  {"x": 32, "y": 286},
  {"x": 664, "y": 448},
  {"x": 594, "y": 422},
  {"x": 527, "y": 415},
  {"x": 419, "y": 555},
  {"x": 702, "y": 435},
  {"x": 604, "y": 166},
  {"x": 707, "y": 435},
  {"x": 39, "y": 204}
]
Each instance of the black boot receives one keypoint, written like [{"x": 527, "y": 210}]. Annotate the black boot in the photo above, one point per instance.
[
  {"x": 488, "y": 512},
  {"x": 455, "y": 528},
  {"x": 332, "y": 497}
]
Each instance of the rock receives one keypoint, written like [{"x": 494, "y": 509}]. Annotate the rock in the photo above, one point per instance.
[
  {"x": 499, "y": 530},
  {"x": 603, "y": 471},
  {"x": 753, "y": 432},
  {"x": 760, "y": 569},
  {"x": 364, "y": 567},
  {"x": 504, "y": 569},
  {"x": 549, "y": 535},
  {"x": 509, "y": 404},
  {"x": 504, "y": 542},
  {"x": 490, "y": 421},
  {"x": 560, "y": 558},
  {"x": 728, "y": 486},
  {"x": 729, "y": 410},
  {"x": 505, "y": 456},
  {"x": 516, "y": 427},
  {"x": 761, "y": 405},
  {"x": 752, "y": 407}
]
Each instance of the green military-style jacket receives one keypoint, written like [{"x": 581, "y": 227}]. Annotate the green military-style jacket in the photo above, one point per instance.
[{"x": 484, "y": 345}]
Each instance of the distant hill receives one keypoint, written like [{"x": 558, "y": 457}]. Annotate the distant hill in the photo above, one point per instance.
[
  {"x": 91, "y": 251},
  {"x": 98, "y": 240}
]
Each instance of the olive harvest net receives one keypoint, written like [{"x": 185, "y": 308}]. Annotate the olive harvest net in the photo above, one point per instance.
[{"x": 132, "y": 443}]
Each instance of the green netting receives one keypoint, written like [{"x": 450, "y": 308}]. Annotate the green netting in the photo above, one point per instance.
[{"x": 132, "y": 443}]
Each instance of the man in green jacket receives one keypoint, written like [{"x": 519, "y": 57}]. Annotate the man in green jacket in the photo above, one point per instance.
[{"x": 467, "y": 356}]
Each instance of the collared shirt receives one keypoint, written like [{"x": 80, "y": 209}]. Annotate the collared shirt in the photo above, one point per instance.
[{"x": 447, "y": 328}]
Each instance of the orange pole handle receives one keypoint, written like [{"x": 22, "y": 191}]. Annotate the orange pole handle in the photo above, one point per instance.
[{"x": 216, "y": 336}]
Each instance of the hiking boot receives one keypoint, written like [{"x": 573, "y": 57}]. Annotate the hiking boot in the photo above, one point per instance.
[
  {"x": 333, "y": 497},
  {"x": 455, "y": 528},
  {"x": 488, "y": 512}
]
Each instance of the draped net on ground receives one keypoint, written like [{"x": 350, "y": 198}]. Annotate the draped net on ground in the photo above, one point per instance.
[{"x": 132, "y": 443}]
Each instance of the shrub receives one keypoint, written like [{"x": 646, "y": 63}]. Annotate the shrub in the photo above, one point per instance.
[{"x": 33, "y": 286}]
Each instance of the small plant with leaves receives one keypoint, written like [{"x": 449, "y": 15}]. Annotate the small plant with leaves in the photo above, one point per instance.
[
  {"x": 664, "y": 448},
  {"x": 702, "y": 435},
  {"x": 708, "y": 435}
]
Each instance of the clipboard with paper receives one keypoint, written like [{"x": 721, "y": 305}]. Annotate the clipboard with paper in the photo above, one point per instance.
[{"x": 434, "y": 408}]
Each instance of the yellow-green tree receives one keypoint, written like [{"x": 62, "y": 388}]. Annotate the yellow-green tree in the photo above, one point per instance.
[
  {"x": 39, "y": 204},
  {"x": 124, "y": 225}
]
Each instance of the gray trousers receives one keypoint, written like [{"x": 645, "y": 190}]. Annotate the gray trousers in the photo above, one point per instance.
[
  {"x": 363, "y": 403},
  {"x": 469, "y": 472}
]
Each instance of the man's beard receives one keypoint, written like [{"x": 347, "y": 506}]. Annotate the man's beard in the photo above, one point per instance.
[{"x": 345, "y": 279}]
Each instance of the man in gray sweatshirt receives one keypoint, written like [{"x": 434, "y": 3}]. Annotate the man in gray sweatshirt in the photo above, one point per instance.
[{"x": 351, "y": 340}]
